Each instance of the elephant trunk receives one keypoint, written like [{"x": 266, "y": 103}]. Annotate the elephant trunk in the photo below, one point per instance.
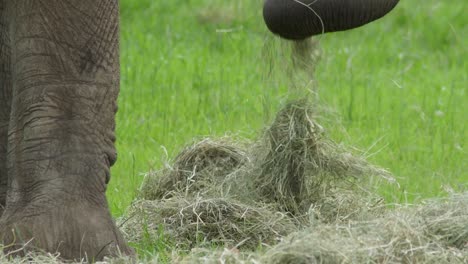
[{"x": 300, "y": 19}]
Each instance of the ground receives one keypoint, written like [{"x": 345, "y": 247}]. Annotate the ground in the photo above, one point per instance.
[{"x": 396, "y": 89}]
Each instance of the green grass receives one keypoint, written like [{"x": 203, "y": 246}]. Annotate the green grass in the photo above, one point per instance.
[{"x": 397, "y": 87}]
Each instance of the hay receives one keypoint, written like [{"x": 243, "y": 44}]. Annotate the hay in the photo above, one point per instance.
[
  {"x": 293, "y": 165},
  {"x": 222, "y": 192},
  {"x": 297, "y": 166},
  {"x": 292, "y": 63},
  {"x": 196, "y": 168},
  {"x": 435, "y": 231},
  {"x": 305, "y": 55},
  {"x": 207, "y": 222},
  {"x": 48, "y": 258},
  {"x": 225, "y": 256}
]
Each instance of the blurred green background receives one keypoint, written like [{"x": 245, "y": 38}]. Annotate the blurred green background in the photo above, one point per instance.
[{"x": 395, "y": 89}]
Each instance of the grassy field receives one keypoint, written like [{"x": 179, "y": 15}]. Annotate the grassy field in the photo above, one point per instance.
[{"x": 396, "y": 89}]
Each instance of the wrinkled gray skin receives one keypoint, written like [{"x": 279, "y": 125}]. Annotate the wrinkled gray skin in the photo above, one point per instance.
[
  {"x": 300, "y": 19},
  {"x": 59, "y": 81}
]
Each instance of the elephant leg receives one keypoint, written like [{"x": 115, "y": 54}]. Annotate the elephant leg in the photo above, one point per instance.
[
  {"x": 5, "y": 95},
  {"x": 65, "y": 72}
]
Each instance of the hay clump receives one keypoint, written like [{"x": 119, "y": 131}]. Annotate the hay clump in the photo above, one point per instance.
[
  {"x": 206, "y": 222},
  {"x": 297, "y": 167},
  {"x": 226, "y": 256},
  {"x": 231, "y": 193},
  {"x": 38, "y": 256},
  {"x": 435, "y": 231},
  {"x": 197, "y": 168}
]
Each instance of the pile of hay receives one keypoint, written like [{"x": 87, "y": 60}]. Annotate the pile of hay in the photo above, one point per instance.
[
  {"x": 296, "y": 166},
  {"x": 207, "y": 222},
  {"x": 197, "y": 168},
  {"x": 295, "y": 195},
  {"x": 435, "y": 231},
  {"x": 229, "y": 194}
]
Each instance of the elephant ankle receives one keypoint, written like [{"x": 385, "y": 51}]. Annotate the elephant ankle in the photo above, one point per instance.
[
  {"x": 2, "y": 199},
  {"x": 3, "y": 187},
  {"x": 76, "y": 232}
]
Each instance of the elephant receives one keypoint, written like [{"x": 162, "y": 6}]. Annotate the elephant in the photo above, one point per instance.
[
  {"x": 301, "y": 19},
  {"x": 59, "y": 82}
]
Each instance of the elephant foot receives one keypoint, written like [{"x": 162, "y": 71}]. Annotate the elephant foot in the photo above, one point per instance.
[{"x": 76, "y": 232}]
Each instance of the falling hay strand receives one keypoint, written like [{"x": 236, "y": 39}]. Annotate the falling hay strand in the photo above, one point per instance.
[{"x": 306, "y": 55}]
